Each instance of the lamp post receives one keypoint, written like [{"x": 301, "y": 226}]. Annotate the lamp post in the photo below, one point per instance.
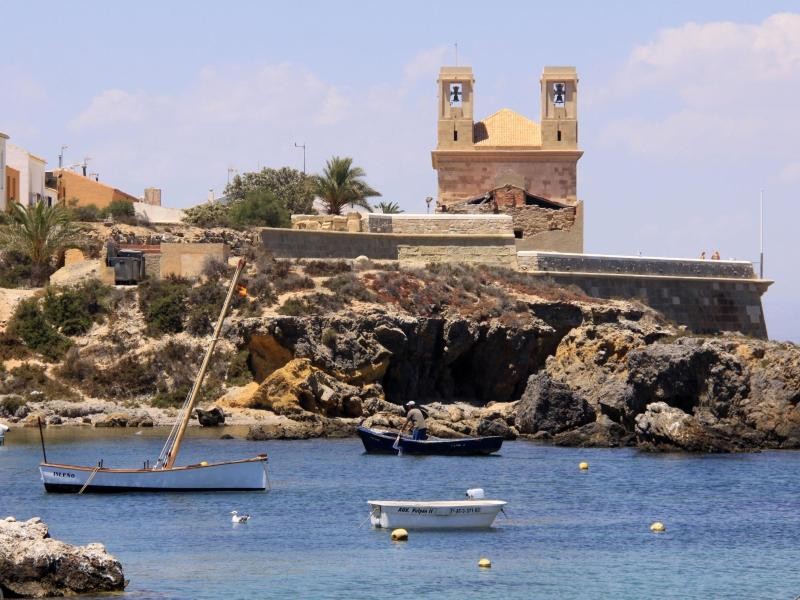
[
  {"x": 303, "y": 146},
  {"x": 61, "y": 156},
  {"x": 428, "y": 201},
  {"x": 761, "y": 235}
]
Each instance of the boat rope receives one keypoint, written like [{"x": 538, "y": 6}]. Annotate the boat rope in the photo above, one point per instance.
[{"x": 89, "y": 480}]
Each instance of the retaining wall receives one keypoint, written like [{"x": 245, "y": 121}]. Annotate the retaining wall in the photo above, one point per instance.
[
  {"x": 702, "y": 305},
  {"x": 294, "y": 243}
]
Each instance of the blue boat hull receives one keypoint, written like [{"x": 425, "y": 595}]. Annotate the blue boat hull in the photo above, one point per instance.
[{"x": 384, "y": 442}]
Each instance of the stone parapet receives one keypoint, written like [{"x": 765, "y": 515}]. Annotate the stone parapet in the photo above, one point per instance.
[
  {"x": 634, "y": 265},
  {"x": 502, "y": 254},
  {"x": 350, "y": 222},
  {"x": 444, "y": 224}
]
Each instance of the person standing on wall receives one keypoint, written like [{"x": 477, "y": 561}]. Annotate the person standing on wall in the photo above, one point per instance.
[{"x": 416, "y": 421}]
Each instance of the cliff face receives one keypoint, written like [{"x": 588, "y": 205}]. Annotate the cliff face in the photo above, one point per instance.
[{"x": 580, "y": 375}]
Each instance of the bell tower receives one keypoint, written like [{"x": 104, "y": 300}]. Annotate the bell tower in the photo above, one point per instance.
[
  {"x": 559, "y": 108},
  {"x": 455, "y": 108}
]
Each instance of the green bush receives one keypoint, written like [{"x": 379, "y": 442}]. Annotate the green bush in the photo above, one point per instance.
[
  {"x": 30, "y": 325},
  {"x": 72, "y": 310},
  {"x": 15, "y": 269},
  {"x": 259, "y": 209},
  {"x": 310, "y": 305},
  {"x": 292, "y": 282},
  {"x": 205, "y": 302},
  {"x": 216, "y": 269},
  {"x": 348, "y": 286},
  {"x": 325, "y": 268},
  {"x": 11, "y": 347},
  {"x": 88, "y": 213},
  {"x": 238, "y": 368},
  {"x": 213, "y": 214},
  {"x": 163, "y": 304},
  {"x": 10, "y": 404},
  {"x": 121, "y": 210},
  {"x": 31, "y": 382},
  {"x": 171, "y": 398}
]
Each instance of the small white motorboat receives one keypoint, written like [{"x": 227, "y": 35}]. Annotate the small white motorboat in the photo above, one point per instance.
[{"x": 476, "y": 512}]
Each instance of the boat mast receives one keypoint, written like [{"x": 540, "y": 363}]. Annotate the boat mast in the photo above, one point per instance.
[{"x": 172, "y": 453}]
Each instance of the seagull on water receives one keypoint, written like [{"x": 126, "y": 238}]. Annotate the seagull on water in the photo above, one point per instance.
[{"x": 237, "y": 518}]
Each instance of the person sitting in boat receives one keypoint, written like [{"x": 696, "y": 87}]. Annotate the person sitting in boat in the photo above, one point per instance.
[{"x": 415, "y": 419}]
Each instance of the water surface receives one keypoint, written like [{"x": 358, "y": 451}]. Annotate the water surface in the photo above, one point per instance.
[{"x": 732, "y": 521}]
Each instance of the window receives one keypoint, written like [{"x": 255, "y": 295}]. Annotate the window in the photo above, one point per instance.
[
  {"x": 455, "y": 135},
  {"x": 518, "y": 234},
  {"x": 558, "y": 135}
]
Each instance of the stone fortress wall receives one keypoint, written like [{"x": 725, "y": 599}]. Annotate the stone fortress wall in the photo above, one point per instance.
[{"x": 706, "y": 296}]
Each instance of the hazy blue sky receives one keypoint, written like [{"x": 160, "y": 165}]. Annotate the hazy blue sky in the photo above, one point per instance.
[{"x": 687, "y": 109}]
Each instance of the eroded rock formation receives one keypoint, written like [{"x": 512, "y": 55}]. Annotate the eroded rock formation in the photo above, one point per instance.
[{"x": 33, "y": 565}]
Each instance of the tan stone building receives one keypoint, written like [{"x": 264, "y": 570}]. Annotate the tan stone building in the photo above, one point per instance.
[
  {"x": 508, "y": 163},
  {"x": 85, "y": 190}
]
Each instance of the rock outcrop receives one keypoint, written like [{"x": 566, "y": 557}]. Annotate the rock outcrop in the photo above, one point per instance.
[
  {"x": 213, "y": 417},
  {"x": 550, "y": 406},
  {"x": 33, "y": 565}
]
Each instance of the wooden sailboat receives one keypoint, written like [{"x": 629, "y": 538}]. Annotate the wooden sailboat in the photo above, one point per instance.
[{"x": 237, "y": 475}]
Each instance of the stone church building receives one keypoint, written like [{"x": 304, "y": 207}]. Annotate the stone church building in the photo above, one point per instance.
[{"x": 507, "y": 163}]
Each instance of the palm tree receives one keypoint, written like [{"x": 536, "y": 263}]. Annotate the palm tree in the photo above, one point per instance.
[
  {"x": 38, "y": 232},
  {"x": 341, "y": 184},
  {"x": 389, "y": 208}
]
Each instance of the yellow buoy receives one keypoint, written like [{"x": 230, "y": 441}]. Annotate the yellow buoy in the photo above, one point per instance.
[
  {"x": 203, "y": 463},
  {"x": 399, "y": 535},
  {"x": 657, "y": 527},
  {"x": 584, "y": 466},
  {"x": 485, "y": 563}
]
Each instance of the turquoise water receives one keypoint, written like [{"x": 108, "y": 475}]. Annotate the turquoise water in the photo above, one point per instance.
[{"x": 733, "y": 522}]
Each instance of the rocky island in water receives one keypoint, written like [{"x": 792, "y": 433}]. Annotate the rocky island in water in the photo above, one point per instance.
[{"x": 316, "y": 347}]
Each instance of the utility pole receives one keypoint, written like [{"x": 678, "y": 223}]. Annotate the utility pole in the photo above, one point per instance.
[
  {"x": 761, "y": 235},
  {"x": 231, "y": 171},
  {"x": 86, "y": 160},
  {"x": 303, "y": 146},
  {"x": 61, "y": 157}
]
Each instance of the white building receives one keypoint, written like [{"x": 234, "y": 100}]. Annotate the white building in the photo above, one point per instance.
[
  {"x": 3, "y": 138},
  {"x": 31, "y": 174}
]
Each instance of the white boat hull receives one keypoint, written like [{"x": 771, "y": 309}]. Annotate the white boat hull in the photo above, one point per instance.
[
  {"x": 455, "y": 514},
  {"x": 241, "y": 475}
]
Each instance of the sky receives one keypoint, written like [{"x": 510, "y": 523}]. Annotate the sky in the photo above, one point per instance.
[{"x": 687, "y": 110}]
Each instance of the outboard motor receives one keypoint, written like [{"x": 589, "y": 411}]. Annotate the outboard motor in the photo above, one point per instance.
[{"x": 475, "y": 494}]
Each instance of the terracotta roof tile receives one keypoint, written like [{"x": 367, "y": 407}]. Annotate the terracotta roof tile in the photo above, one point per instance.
[{"x": 507, "y": 128}]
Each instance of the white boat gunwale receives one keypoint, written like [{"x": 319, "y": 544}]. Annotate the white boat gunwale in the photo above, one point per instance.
[
  {"x": 436, "y": 503},
  {"x": 259, "y": 458}
]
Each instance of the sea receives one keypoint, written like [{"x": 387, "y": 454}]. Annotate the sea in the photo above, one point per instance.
[{"x": 732, "y": 521}]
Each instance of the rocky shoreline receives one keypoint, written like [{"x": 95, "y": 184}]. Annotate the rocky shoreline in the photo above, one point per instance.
[{"x": 34, "y": 565}]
